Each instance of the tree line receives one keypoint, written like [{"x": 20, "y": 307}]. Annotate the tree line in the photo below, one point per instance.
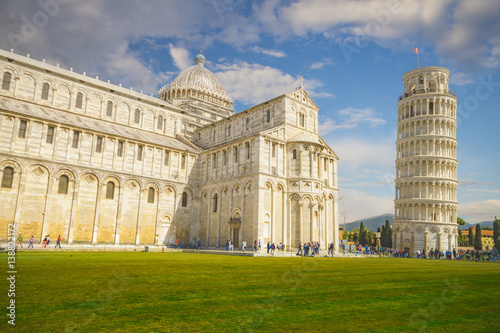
[
  {"x": 474, "y": 238},
  {"x": 364, "y": 236}
]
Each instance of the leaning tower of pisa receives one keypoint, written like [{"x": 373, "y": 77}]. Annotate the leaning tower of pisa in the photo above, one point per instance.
[{"x": 426, "y": 165}]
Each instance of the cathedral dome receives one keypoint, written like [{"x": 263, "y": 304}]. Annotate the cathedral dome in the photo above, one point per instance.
[{"x": 198, "y": 81}]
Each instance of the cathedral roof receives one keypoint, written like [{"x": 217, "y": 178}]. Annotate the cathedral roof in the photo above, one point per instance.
[
  {"x": 97, "y": 125},
  {"x": 304, "y": 138},
  {"x": 199, "y": 78}
]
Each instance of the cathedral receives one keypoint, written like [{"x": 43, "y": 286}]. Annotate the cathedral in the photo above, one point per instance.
[{"x": 101, "y": 164}]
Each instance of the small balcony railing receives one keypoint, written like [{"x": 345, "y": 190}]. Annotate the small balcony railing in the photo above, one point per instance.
[{"x": 425, "y": 91}]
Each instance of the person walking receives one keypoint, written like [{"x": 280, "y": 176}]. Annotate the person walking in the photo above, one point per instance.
[
  {"x": 300, "y": 249},
  {"x": 255, "y": 244},
  {"x": 268, "y": 247},
  {"x": 176, "y": 244},
  {"x": 58, "y": 242},
  {"x": 272, "y": 248},
  {"x": 198, "y": 244},
  {"x": 244, "y": 246},
  {"x": 32, "y": 240},
  {"x": 260, "y": 245},
  {"x": 227, "y": 244},
  {"x": 48, "y": 241},
  {"x": 20, "y": 241}
]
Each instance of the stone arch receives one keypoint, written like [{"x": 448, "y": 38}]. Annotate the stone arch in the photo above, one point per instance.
[
  {"x": 18, "y": 167},
  {"x": 11, "y": 69},
  {"x": 27, "y": 85},
  {"x": 123, "y": 113},
  {"x": 166, "y": 233},
  {"x": 268, "y": 185},
  {"x": 236, "y": 188}
]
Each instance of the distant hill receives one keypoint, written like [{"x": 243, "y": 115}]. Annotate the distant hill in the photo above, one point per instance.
[
  {"x": 371, "y": 223},
  {"x": 488, "y": 224}
]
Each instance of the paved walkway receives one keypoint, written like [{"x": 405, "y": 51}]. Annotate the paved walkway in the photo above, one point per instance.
[
  {"x": 94, "y": 248},
  {"x": 151, "y": 248}
]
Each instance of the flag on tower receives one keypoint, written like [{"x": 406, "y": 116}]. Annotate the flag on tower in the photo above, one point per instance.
[{"x": 418, "y": 61}]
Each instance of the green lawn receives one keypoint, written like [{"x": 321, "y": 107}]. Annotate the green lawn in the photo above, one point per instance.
[{"x": 172, "y": 292}]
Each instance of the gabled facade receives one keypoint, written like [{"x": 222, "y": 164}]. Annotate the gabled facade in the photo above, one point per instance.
[{"x": 97, "y": 163}]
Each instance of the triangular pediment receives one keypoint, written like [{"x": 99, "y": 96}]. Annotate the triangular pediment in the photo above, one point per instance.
[
  {"x": 327, "y": 148},
  {"x": 301, "y": 96}
]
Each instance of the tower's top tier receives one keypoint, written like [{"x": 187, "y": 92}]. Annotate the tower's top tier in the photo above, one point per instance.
[{"x": 426, "y": 80}]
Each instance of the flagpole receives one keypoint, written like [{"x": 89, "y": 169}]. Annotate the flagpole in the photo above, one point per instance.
[{"x": 418, "y": 60}]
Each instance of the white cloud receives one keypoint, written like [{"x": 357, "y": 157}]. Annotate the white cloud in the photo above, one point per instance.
[
  {"x": 372, "y": 205},
  {"x": 350, "y": 118},
  {"x": 96, "y": 36},
  {"x": 460, "y": 79},
  {"x": 461, "y": 31},
  {"x": 321, "y": 64},
  {"x": 255, "y": 83},
  {"x": 180, "y": 56},
  {"x": 486, "y": 191},
  {"x": 272, "y": 53},
  {"x": 326, "y": 125},
  {"x": 479, "y": 210},
  {"x": 317, "y": 65},
  {"x": 357, "y": 153}
]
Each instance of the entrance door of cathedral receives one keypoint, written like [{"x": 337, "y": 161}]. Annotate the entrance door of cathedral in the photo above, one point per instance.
[{"x": 236, "y": 237}]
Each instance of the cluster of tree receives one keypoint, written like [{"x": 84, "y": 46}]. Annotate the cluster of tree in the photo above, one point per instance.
[
  {"x": 478, "y": 243},
  {"x": 386, "y": 235},
  {"x": 364, "y": 236},
  {"x": 361, "y": 235}
]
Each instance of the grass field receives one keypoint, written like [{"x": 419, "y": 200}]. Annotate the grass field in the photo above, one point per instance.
[{"x": 173, "y": 292}]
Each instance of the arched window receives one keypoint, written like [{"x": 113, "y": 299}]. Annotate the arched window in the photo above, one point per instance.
[
  {"x": 235, "y": 153},
  {"x": 247, "y": 124},
  {"x": 8, "y": 175},
  {"x": 294, "y": 154},
  {"x": 79, "y": 99},
  {"x": 151, "y": 195},
  {"x": 167, "y": 155},
  {"x": 23, "y": 125},
  {"x": 6, "y": 81},
  {"x": 228, "y": 130},
  {"x": 301, "y": 119},
  {"x": 269, "y": 115},
  {"x": 137, "y": 116},
  {"x": 109, "y": 109},
  {"x": 214, "y": 202},
  {"x": 247, "y": 150},
  {"x": 110, "y": 190},
  {"x": 184, "y": 201},
  {"x": 160, "y": 122},
  {"x": 63, "y": 184},
  {"x": 45, "y": 91}
]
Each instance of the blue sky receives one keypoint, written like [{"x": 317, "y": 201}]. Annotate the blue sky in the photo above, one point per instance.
[{"x": 351, "y": 54}]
